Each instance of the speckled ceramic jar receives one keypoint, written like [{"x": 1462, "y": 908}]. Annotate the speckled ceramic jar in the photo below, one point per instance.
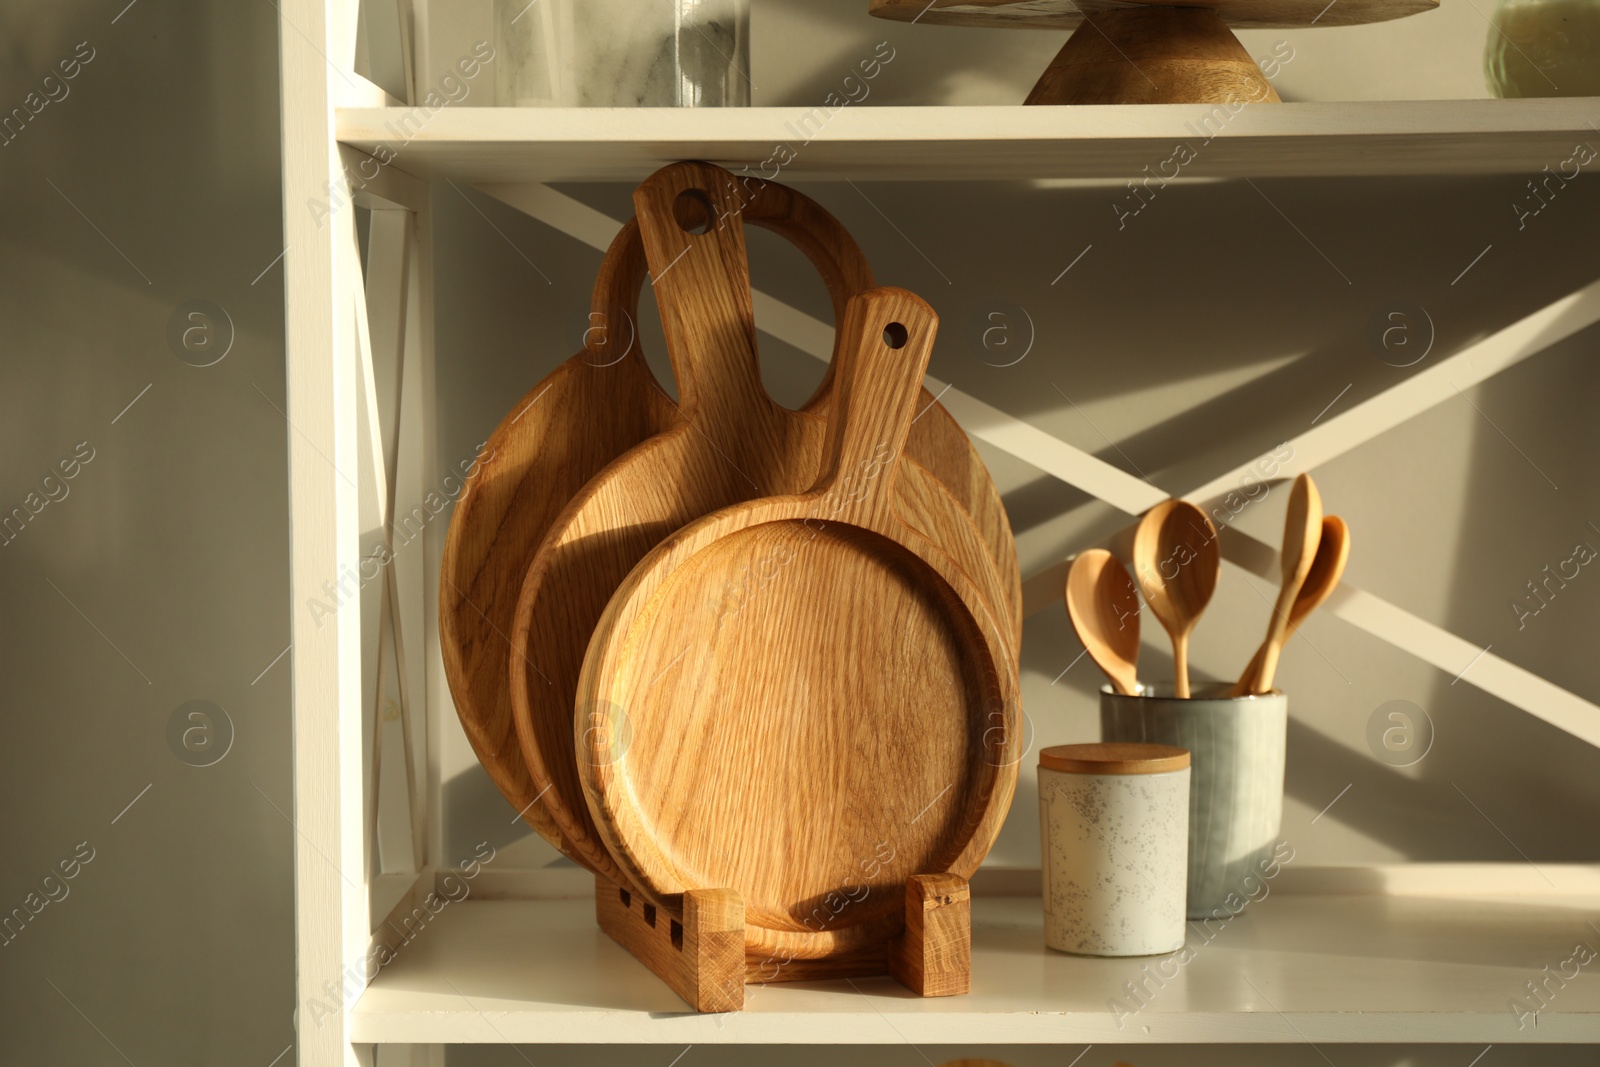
[{"x": 1115, "y": 826}]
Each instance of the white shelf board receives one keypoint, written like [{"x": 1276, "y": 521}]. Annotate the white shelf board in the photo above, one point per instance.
[
  {"x": 1420, "y": 954},
  {"x": 882, "y": 143}
]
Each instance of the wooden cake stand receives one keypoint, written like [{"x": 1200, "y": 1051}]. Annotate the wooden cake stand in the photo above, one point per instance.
[{"x": 1168, "y": 52}]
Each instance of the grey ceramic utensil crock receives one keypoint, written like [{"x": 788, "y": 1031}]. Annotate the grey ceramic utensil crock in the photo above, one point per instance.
[{"x": 1236, "y": 778}]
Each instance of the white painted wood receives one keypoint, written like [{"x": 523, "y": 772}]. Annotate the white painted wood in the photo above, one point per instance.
[
  {"x": 376, "y": 480},
  {"x": 1406, "y": 956},
  {"x": 372, "y": 598},
  {"x": 486, "y": 144},
  {"x": 420, "y": 568},
  {"x": 330, "y": 896},
  {"x": 408, "y": 65},
  {"x": 381, "y": 186},
  {"x": 342, "y": 49},
  {"x": 410, "y": 567},
  {"x": 385, "y": 334},
  {"x": 356, "y": 90},
  {"x": 572, "y": 217}
]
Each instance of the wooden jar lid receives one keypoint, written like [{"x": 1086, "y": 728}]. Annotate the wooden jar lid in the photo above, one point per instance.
[{"x": 1108, "y": 758}]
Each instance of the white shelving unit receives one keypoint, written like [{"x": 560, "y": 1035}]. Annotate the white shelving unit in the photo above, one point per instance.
[{"x": 1412, "y": 954}]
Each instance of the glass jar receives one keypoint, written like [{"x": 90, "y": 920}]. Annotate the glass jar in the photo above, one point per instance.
[
  {"x": 623, "y": 53},
  {"x": 1544, "y": 48}
]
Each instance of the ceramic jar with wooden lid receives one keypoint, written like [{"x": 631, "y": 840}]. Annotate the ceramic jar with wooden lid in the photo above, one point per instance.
[{"x": 1114, "y": 819}]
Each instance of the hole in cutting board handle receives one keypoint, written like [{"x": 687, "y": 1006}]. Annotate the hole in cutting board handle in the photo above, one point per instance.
[
  {"x": 896, "y": 335},
  {"x": 693, "y": 211}
]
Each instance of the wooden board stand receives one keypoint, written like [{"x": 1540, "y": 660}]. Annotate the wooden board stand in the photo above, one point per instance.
[{"x": 702, "y": 958}]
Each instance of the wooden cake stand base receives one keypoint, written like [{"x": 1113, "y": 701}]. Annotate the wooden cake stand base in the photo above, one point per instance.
[
  {"x": 702, "y": 958},
  {"x": 1153, "y": 55},
  {"x": 1150, "y": 51}
]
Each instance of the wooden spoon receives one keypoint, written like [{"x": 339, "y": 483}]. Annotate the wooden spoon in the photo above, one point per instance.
[
  {"x": 1104, "y": 607},
  {"x": 1302, "y": 530},
  {"x": 1327, "y": 567},
  {"x": 1176, "y": 559}
]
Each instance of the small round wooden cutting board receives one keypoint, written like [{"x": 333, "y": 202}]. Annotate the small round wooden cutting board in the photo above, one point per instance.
[{"x": 853, "y": 724}]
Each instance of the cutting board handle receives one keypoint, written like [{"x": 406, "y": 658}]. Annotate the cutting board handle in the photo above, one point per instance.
[
  {"x": 884, "y": 345},
  {"x": 694, "y": 240},
  {"x": 612, "y": 333}
]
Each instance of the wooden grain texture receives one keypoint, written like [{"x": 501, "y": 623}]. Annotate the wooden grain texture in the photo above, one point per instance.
[
  {"x": 703, "y": 958},
  {"x": 1176, "y": 560},
  {"x": 729, "y": 443},
  {"x": 1103, "y": 605},
  {"x": 1114, "y": 757},
  {"x": 1327, "y": 569},
  {"x": 1153, "y": 55},
  {"x": 1302, "y": 530},
  {"x": 591, "y": 409},
  {"x": 932, "y": 956},
  {"x": 1069, "y": 14},
  {"x": 587, "y": 412},
  {"x": 853, "y": 723},
  {"x": 700, "y": 957}
]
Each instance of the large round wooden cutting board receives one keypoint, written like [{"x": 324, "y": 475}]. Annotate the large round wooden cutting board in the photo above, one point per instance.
[
  {"x": 1068, "y": 14},
  {"x": 730, "y": 443},
  {"x": 855, "y": 723},
  {"x": 590, "y": 410}
]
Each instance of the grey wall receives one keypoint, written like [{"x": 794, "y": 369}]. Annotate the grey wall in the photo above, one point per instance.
[{"x": 161, "y": 576}]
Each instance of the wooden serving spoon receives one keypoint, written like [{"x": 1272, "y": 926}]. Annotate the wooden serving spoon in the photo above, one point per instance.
[
  {"x": 1327, "y": 567},
  {"x": 1302, "y": 530},
  {"x": 1176, "y": 559},
  {"x": 1104, "y": 608}
]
